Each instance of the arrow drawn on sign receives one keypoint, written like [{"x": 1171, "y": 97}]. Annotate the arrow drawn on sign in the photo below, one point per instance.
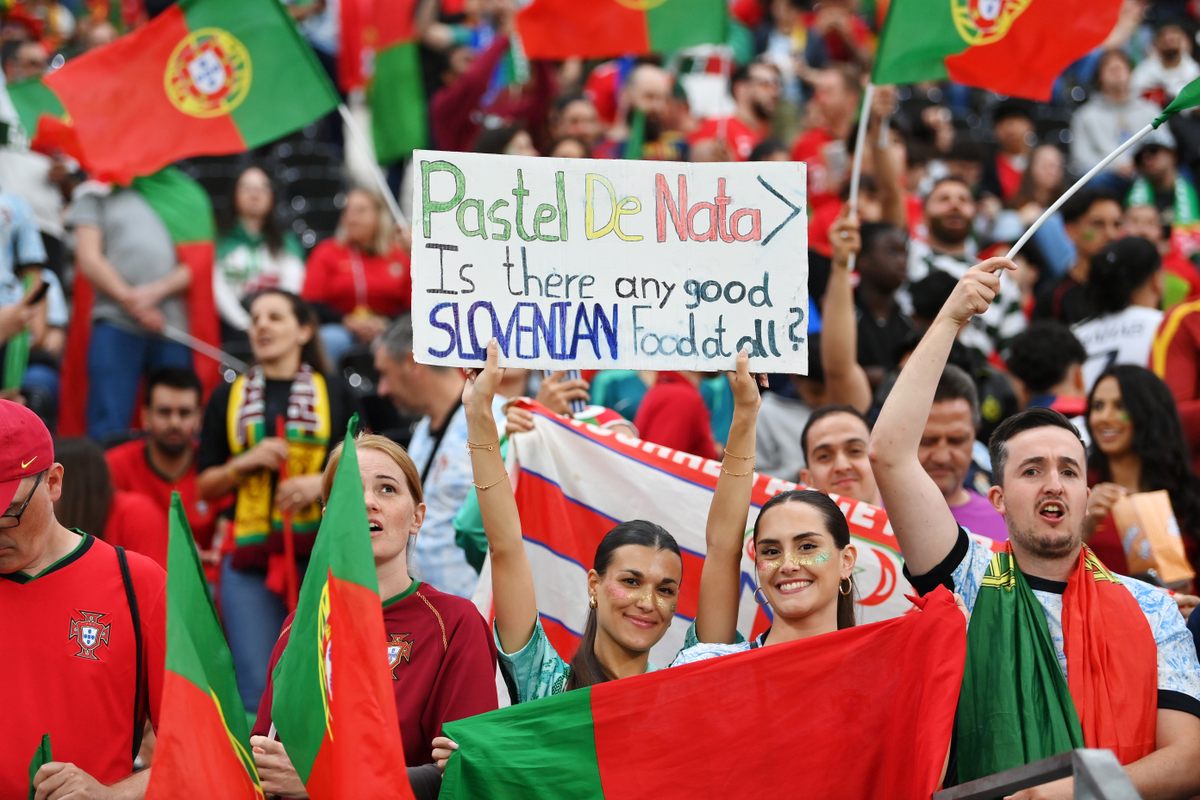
[{"x": 795, "y": 210}]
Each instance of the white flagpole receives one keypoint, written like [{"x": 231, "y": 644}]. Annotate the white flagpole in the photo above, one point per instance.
[
  {"x": 204, "y": 348},
  {"x": 1093, "y": 172},
  {"x": 860, "y": 144},
  {"x": 380, "y": 180}
]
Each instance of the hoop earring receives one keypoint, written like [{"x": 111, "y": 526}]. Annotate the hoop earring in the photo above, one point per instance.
[
  {"x": 849, "y": 587},
  {"x": 761, "y": 600}
]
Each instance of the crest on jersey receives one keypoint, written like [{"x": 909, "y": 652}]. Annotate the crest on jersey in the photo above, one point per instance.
[
  {"x": 208, "y": 73},
  {"x": 89, "y": 632},
  {"x": 982, "y": 22},
  {"x": 399, "y": 648}
]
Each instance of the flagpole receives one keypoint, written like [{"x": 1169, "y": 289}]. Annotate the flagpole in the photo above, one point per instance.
[
  {"x": 1079, "y": 184},
  {"x": 860, "y": 144},
  {"x": 360, "y": 137},
  {"x": 204, "y": 348}
]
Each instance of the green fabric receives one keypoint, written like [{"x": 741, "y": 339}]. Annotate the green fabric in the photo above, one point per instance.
[
  {"x": 621, "y": 390},
  {"x": 16, "y": 353},
  {"x": 32, "y": 99},
  {"x": 196, "y": 647},
  {"x": 719, "y": 399},
  {"x": 516, "y": 739},
  {"x": 1015, "y": 706},
  {"x": 288, "y": 87},
  {"x": 396, "y": 95},
  {"x": 468, "y": 524},
  {"x": 342, "y": 551},
  {"x": 237, "y": 236},
  {"x": 180, "y": 202},
  {"x": 675, "y": 24},
  {"x": 917, "y": 37},
  {"x": 40, "y": 756},
  {"x": 636, "y": 142},
  {"x": 412, "y": 588},
  {"x": 1188, "y": 97}
]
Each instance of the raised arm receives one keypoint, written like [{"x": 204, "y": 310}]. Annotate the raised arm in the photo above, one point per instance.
[
  {"x": 512, "y": 579},
  {"x": 845, "y": 380},
  {"x": 919, "y": 515},
  {"x": 716, "y": 615}
]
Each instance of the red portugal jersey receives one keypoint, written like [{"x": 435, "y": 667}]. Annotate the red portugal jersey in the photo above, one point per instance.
[
  {"x": 70, "y": 662},
  {"x": 442, "y": 660},
  {"x": 132, "y": 472}
]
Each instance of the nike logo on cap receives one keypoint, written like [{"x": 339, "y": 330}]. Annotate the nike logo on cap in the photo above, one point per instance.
[{"x": 25, "y": 464}]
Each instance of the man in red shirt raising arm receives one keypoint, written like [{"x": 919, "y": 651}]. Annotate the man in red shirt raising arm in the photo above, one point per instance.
[{"x": 1112, "y": 663}]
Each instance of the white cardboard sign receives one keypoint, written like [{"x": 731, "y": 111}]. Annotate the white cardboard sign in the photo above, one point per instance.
[{"x": 582, "y": 263}]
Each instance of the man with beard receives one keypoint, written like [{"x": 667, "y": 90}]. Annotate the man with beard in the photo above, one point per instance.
[
  {"x": 755, "y": 87},
  {"x": 164, "y": 461},
  {"x": 949, "y": 247},
  {"x": 645, "y": 99},
  {"x": 1061, "y": 653},
  {"x": 1168, "y": 67}
]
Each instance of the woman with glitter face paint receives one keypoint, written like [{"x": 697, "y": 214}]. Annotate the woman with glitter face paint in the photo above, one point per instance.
[{"x": 802, "y": 549}]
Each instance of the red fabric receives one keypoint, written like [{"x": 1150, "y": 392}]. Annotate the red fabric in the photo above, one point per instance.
[
  {"x": 194, "y": 733},
  {"x": 673, "y": 414},
  {"x": 1181, "y": 267},
  {"x": 602, "y": 87},
  {"x": 834, "y": 45},
  {"x": 202, "y": 319},
  {"x": 1176, "y": 359},
  {"x": 353, "y": 15},
  {"x": 131, "y": 471},
  {"x": 1112, "y": 661},
  {"x": 1040, "y": 42},
  {"x": 135, "y": 523},
  {"x": 561, "y": 29},
  {"x": 824, "y": 184},
  {"x": 449, "y": 673},
  {"x": 882, "y": 716},
  {"x": 329, "y": 279},
  {"x": 125, "y": 79},
  {"x": 85, "y": 704},
  {"x": 1009, "y": 176},
  {"x": 739, "y": 136},
  {"x": 1106, "y": 544}
]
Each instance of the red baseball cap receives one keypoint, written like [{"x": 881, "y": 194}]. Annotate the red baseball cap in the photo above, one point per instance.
[{"x": 25, "y": 448}]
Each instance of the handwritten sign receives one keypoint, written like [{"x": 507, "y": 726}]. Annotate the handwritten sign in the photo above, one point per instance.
[{"x": 609, "y": 264}]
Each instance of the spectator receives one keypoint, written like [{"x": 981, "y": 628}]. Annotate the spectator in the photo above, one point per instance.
[
  {"x": 164, "y": 461},
  {"x": 1046, "y": 362},
  {"x": 1012, "y": 124},
  {"x": 56, "y": 582},
  {"x": 882, "y": 269},
  {"x": 673, "y": 414},
  {"x": 509, "y": 140},
  {"x": 1161, "y": 184},
  {"x": 1167, "y": 68},
  {"x": 1175, "y": 358},
  {"x": 574, "y": 115},
  {"x": 836, "y": 95},
  {"x": 1092, "y": 220},
  {"x": 439, "y": 449},
  {"x": 254, "y": 252},
  {"x": 1125, "y": 289},
  {"x": 1181, "y": 280},
  {"x": 755, "y": 88},
  {"x": 242, "y": 455},
  {"x": 645, "y": 100},
  {"x": 568, "y": 147},
  {"x": 1137, "y": 446},
  {"x": 124, "y": 519},
  {"x": 1112, "y": 114},
  {"x": 1041, "y": 184},
  {"x": 124, "y": 250},
  {"x": 834, "y": 442},
  {"x": 358, "y": 279}
]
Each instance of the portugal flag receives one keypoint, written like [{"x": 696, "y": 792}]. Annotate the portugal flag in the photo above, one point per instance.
[
  {"x": 862, "y": 712},
  {"x": 205, "y": 77},
  {"x": 334, "y": 706},
  {"x": 203, "y": 743},
  {"x": 184, "y": 208},
  {"x": 1014, "y": 47},
  {"x": 560, "y": 29},
  {"x": 396, "y": 90}
]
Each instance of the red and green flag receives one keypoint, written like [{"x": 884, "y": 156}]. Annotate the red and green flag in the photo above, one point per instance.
[
  {"x": 186, "y": 211},
  {"x": 334, "y": 706},
  {"x": 41, "y": 756},
  {"x": 1014, "y": 47},
  {"x": 205, "y": 77},
  {"x": 560, "y": 29},
  {"x": 203, "y": 747},
  {"x": 887, "y": 691},
  {"x": 396, "y": 87}
]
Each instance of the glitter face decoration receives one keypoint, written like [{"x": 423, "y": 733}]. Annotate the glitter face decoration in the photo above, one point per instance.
[{"x": 808, "y": 560}]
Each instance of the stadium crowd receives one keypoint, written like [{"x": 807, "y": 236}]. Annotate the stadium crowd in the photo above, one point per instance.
[{"x": 927, "y": 374}]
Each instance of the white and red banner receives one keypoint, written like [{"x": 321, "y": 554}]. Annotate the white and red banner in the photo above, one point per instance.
[{"x": 574, "y": 482}]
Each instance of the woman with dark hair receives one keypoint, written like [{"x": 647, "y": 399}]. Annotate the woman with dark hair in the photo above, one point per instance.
[
  {"x": 243, "y": 454},
  {"x": 509, "y": 140},
  {"x": 1124, "y": 288},
  {"x": 1137, "y": 446},
  {"x": 89, "y": 502},
  {"x": 633, "y": 584},
  {"x": 254, "y": 252}
]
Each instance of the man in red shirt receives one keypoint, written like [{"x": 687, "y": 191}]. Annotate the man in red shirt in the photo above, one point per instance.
[
  {"x": 164, "y": 461},
  {"x": 756, "y": 88},
  {"x": 84, "y": 626},
  {"x": 673, "y": 414}
]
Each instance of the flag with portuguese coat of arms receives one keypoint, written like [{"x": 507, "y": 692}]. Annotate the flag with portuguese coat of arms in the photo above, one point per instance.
[{"x": 205, "y": 77}]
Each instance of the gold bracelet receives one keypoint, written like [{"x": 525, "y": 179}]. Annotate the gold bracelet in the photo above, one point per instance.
[
  {"x": 737, "y": 474},
  {"x": 490, "y": 485},
  {"x": 491, "y": 448},
  {"x": 743, "y": 458}
]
